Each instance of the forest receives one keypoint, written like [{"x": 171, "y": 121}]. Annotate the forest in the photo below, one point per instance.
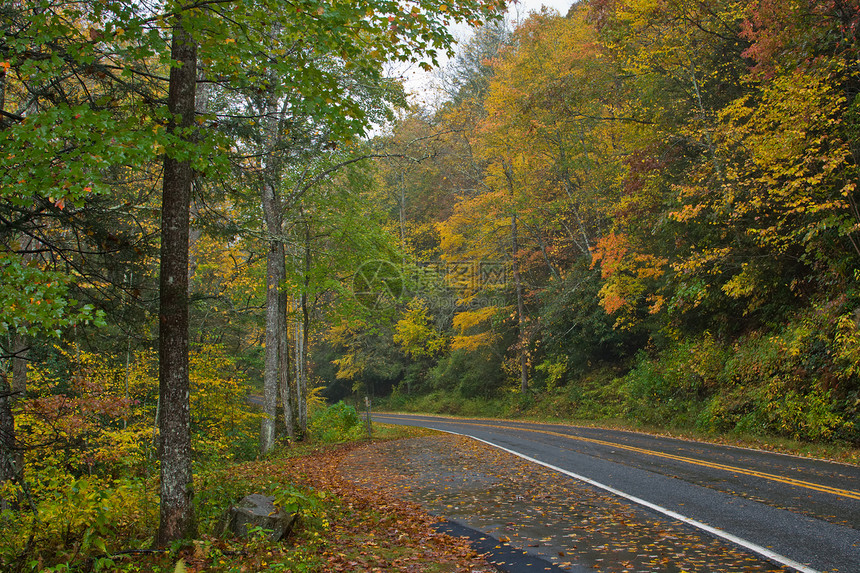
[
  {"x": 223, "y": 224},
  {"x": 642, "y": 211}
]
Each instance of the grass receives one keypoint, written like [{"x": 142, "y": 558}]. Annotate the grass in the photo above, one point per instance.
[
  {"x": 599, "y": 402},
  {"x": 346, "y": 529}
]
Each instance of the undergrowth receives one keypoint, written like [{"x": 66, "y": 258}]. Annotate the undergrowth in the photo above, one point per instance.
[
  {"x": 777, "y": 390},
  {"x": 103, "y": 517}
]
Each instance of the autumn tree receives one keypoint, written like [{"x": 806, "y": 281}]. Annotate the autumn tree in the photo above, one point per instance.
[
  {"x": 120, "y": 47},
  {"x": 69, "y": 127},
  {"x": 549, "y": 143},
  {"x": 681, "y": 64}
]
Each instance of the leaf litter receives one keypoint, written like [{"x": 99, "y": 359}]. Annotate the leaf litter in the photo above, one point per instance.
[
  {"x": 364, "y": 530},
  {"x": 569, "y": 523}
]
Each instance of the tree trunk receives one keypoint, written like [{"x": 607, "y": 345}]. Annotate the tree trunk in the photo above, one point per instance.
[
  {"x": 2, "y": 97},
  {"x": 8, "y": 466},
  {"x": 302, "y": 386},
  {"x": 287, "y": 402},
  {"x": 518, "y": 285},
  {"x": 521, "y": 313},
  {"x": 298, "y": 330},
  {"x": 276, "y": 374},
  {"x": 177, "y": 511},
  {"x": 275, "y": 369},
  {"x": 287, "y": 396},
  {"x": 274, "y": 326},
  {"x": 11, "y": 456},
  {"x": 306, "y": 320},
  {"x": 21, "y": 348}
]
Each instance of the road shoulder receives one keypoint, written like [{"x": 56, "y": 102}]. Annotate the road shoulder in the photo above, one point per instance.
[{"x": 569, "y": 523}]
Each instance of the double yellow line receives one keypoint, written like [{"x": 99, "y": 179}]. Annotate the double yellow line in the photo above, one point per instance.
[{"x": 733, "y": 469}]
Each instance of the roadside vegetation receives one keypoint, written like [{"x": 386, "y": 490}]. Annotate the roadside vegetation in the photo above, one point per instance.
[
  {"x": 643, "y": 212},
  {"x": 102, "y": 516},
  {"x": 756, "y": 392}
]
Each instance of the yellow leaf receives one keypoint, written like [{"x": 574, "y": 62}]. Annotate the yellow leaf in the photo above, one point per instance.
[{"x": 470, "y": 318}]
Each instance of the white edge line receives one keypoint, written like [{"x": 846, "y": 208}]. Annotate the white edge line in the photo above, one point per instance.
[
  {"x": 685, "y": 439},
  {"x": 749, "y": 545}
]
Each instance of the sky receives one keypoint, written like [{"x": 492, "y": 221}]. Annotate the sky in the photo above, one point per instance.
[
  {"x": 419, "y": 83},
  {"x": 526, "y": 6}
]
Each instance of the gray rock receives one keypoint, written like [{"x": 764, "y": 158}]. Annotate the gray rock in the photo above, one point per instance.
[{"x": 252, "y": 511}]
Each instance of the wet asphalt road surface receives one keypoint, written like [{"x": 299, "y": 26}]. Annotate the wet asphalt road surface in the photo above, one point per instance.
[{"x": 800, "y": 513}]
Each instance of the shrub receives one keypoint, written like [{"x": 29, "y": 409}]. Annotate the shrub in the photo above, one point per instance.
[
  {"x": 337, "y": 423},
  {"x": 473, "y": 374},
  {"x": 76, "y": 519}
]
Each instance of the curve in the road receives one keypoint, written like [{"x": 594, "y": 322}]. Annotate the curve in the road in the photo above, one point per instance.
[
  {"x": 734, "y": 469},
  {"x": 826, "y": 545},
  {"x": 748, "y": 545}
]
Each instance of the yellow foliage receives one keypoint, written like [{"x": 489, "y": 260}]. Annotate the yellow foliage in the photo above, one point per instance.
[
  {"x": 103, "y": 414},
  {"x": 471, "y": 320},
  {"x": 314, "y": 399},
  {"x": 350, "y": 364},
  {"x": 742, "y": 284},
  {"x": 414, "y": 331},
  {"x": 473, "y": 342},
  {"x": 229, "y": 270},
  {"x": 218, "y": 399}
]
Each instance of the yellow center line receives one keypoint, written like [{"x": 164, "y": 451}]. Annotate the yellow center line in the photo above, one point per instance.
[{"x": 713, "y": 465}]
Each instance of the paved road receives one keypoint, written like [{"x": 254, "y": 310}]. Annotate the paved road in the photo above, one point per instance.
[{"x": 800, "y": 513}]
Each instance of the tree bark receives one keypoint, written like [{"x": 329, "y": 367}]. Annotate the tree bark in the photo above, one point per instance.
[
  {"x": 274, "y": 327},
  {"x": 287, "y": 402},
  {"x": 21, "y": 349},
  {"x": 521, "y": 311},
  {"x": 518, "y": 285},
  {"x": 177, "y": 511},
  {"x": 8, "y": 467},
  {"x": 302, "y": 385},
  {"x": 299, "y": 352},
  {"x": 276, "y": 374}
]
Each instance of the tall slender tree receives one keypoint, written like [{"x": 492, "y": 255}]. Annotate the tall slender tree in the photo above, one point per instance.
[{"x": 177, "y": 511}]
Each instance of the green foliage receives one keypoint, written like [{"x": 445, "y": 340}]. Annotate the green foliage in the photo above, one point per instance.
[
  {"x": 337, "y": 423},
  {"x": 672, "y": 204},
  {"x": 757, "y": 386},
  {"x": 76, "y": 519},
  {"x": 554, "y": 372},
  {"x": 218, "y": 487},
  {"x": 664, "y": 391},
  {"x": 449, "y": 402},
  {"x": 83, "y": 118},
  {"x": 576, "y": 329},
  {"x": 476, "y": 374},
  {"x": 307, "y": 503},
  {"x": 35, "y": 301}
]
